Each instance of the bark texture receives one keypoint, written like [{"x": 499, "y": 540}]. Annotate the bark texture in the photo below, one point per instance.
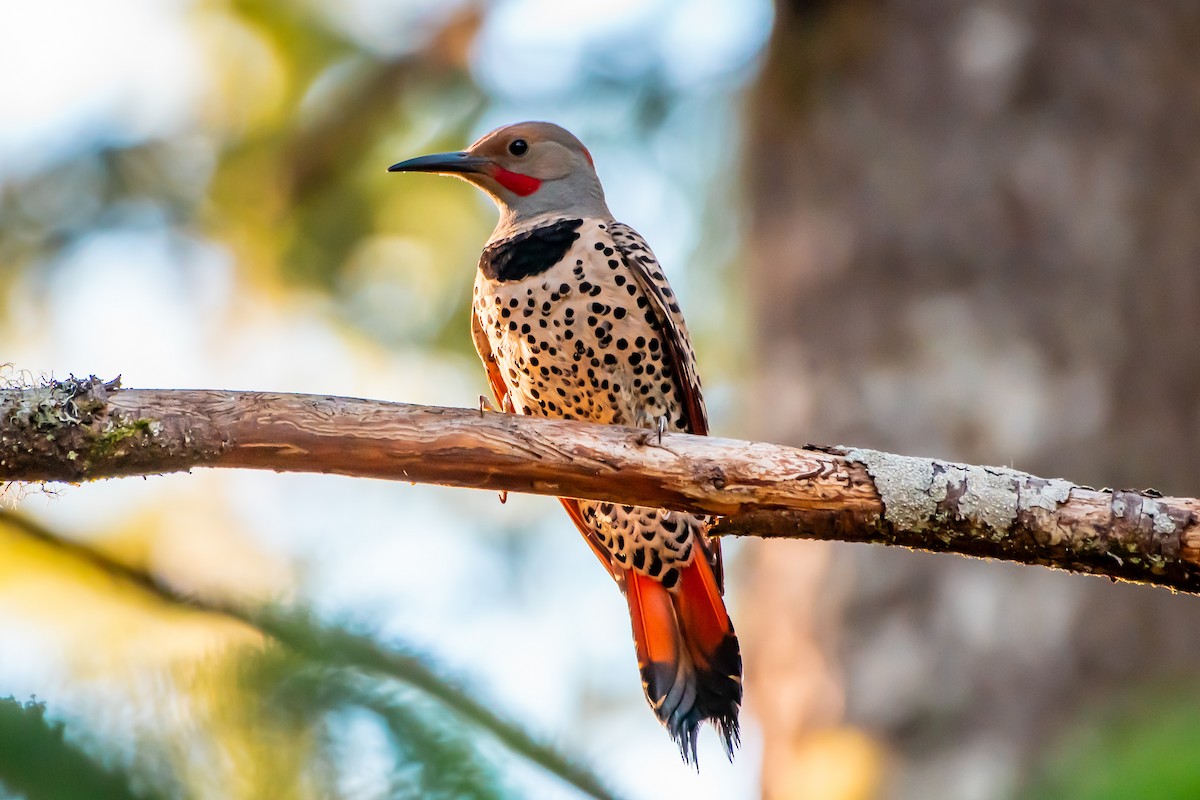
[
  {"x": 972, "y": 232},
  {"x": 84, "y": 430}
]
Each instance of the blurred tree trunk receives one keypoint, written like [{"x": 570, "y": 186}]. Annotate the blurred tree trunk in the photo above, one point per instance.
[{"x": 973, "y": 234}]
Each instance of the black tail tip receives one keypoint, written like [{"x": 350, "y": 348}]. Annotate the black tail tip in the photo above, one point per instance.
[
  {"x": 686, "y": 733},
  {"x": 684, "y": 698}
]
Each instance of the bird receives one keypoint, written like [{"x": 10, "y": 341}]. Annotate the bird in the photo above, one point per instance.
[{"x": 573, "y": 318}]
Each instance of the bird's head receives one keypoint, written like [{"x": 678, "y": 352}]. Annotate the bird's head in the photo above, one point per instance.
[{"x": 530, "y": 169}]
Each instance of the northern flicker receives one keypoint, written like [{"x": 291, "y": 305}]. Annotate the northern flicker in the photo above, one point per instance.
[{"x": 574, "y": 319}]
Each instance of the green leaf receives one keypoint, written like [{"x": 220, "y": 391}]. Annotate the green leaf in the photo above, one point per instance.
[{"x": 37, "y": 761}]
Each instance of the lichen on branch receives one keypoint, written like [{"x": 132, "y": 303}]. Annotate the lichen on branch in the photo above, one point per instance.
[{"x": 70, "y": 422}]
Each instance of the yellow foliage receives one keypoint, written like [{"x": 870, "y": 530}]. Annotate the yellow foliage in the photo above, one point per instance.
[
  {"x": 102, "y": 623},
  {"x": 841, "y": 763}
]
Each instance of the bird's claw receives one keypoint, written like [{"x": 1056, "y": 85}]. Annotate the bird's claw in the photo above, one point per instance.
[
  {"x": 485, "y": 405},
  {"x": 654, "y": 438},
  {"x": 506, "y": 405}
]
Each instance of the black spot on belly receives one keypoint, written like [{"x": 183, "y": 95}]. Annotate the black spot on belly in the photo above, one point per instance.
[
  {"x": 670, "y": 578},
  {"x": 529, "y": 253}
]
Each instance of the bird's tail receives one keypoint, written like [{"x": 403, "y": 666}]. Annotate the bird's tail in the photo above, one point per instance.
[{"x": 688, "y": 654}]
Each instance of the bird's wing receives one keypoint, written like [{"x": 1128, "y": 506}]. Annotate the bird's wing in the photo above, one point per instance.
[
  {"x": 484, "y": 347},
  {"x": 669, "y": 321},
  {"x": 653, "y": 283}
]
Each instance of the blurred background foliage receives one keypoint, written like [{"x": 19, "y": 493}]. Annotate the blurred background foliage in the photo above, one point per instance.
[
  {"x": 954, "y": 229},
  {"x": 195, "y": 192}
]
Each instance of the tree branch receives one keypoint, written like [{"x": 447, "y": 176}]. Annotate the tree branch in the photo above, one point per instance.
[{"x": 82, "y": 430}]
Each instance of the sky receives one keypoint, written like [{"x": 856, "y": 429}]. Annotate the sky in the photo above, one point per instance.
[{"x": 549, "y": 643}]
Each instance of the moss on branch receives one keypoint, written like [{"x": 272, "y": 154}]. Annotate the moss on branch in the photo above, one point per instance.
[{"x": 70, "y": 422}]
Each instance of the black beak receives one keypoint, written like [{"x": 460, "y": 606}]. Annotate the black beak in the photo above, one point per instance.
[{"x": 442, "y": 162}]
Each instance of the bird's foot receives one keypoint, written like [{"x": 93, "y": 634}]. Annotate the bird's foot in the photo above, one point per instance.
[
  {"x": 653, "y": 438},
  {"x": 485, "y": 406}
]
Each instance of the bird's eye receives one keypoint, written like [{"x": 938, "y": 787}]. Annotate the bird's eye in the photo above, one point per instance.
[{"x": 518, "y": 147}]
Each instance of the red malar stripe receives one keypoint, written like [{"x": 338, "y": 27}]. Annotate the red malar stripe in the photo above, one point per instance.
[{"x": 515, "y": 182}]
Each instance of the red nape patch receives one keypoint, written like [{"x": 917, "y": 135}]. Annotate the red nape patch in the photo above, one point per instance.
[
  {"x": 515, "y": 182},
  {"x": 587, "y": 154}
]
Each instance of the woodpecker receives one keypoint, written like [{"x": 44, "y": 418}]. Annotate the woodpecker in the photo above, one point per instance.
[{"x": 574, "y": 319}]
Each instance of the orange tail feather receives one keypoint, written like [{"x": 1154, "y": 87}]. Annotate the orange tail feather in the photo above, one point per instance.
[{"x": 688, "y": 654}]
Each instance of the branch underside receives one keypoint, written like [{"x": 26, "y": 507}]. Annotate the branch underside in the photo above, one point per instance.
[{"x": 76, "y": 431}]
